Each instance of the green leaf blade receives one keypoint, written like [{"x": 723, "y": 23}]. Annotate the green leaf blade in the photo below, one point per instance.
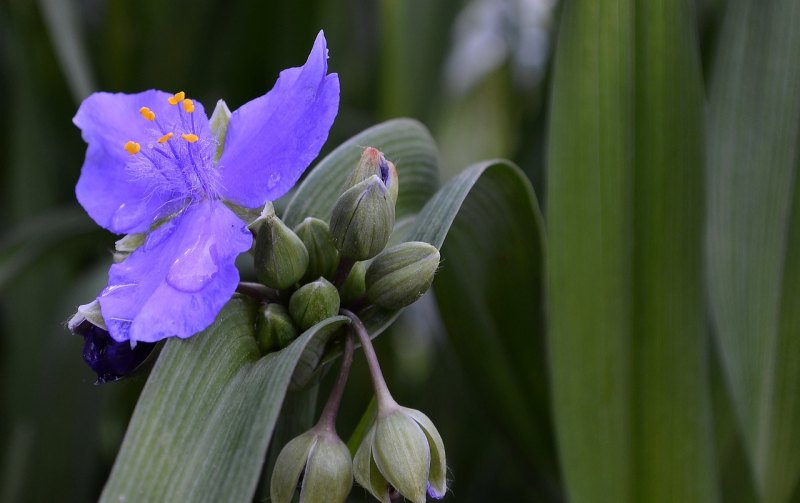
[
  {"x": 204, "y": 421},
  {"x": 754, "y": 124},
  {"x": 627, "y": 328}
]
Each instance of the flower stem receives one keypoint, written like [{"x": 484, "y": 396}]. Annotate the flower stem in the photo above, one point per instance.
[
  {"x": 345, "y": 265},
  {"x": 382, "y": 394},
  {"x": 258, "y": 291},
  {"x": 328, "y": 418}
]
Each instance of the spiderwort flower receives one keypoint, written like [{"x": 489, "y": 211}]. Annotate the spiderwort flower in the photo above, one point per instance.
[{"x": 150, "y": 167}]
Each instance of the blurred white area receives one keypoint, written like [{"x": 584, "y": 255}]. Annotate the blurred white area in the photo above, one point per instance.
[{"x": 487, "y": 33}]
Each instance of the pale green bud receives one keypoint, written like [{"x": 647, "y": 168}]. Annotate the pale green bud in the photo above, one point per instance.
[
  {"x": 314, "y": 302},
  {"x": 401, "y": 274},
  {"x": 127, "y": 245},
  {"x": 219, "y": 126},
  {"x": 280, "y": 258},
  {"x": 87, "y": 312},
  {"x": 354, "y": 287},
  {"x": 323, "y": 459},
  {"x": 274, "y": 328},
  {"x": 373, "y": 162},
  {"x": 362, "y": 219},
  {"x": 404, "y": 450},
  {"x": 323, "y": 257}
]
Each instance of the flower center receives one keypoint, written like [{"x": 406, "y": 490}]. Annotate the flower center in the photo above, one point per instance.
[{"x": 179, "y": 159}]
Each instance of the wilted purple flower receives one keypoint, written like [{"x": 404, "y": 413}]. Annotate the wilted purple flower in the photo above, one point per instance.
[{"x": 150, "y": 167}]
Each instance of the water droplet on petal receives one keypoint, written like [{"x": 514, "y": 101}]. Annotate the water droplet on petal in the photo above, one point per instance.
[{"x": 193, "y": 270}]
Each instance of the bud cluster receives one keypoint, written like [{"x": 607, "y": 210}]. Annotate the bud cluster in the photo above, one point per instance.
[
  {"x": 318, "y": 267},
  {"x": 346, "y": 266}
]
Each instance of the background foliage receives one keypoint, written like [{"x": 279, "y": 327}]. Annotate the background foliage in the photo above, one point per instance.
[{"x": 652, "y": 352}]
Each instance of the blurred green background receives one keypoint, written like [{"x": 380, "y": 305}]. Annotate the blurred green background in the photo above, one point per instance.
[{"x": 681, "y": 115}]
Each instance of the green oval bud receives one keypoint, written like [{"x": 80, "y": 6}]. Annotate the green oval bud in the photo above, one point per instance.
[
  {"x": 313, "y": 303},
  {"x": 354, "y": 287},
  {"x": 400, "y": 275},
  {"x": 280, "y": 258},
  {"x": 373, "y": 162},
  {"x": 362, "y": 219},
  {"x": 323, "y": 257},
  {"x": 274, "y": 328},
  {"x": 328, "y": 474},
  {"x": 402, "y": 449}
]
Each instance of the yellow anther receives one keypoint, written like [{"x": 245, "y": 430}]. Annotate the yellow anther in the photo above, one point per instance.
[
  {"x": 191, "y": 138},
  {"x": 188, "y": 105},
  {"x": 147, "y": 113},
  {"x": 164, "y": 138},
  {"x": 176, "y": 98},
  {"x": 132, "y": 147}
]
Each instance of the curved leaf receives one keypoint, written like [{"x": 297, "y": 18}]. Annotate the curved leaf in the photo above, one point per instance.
[
  {"x": 753, "y": 247},
  {"x": 489, "y": 290},
  {"x": 204, "y": 420}
]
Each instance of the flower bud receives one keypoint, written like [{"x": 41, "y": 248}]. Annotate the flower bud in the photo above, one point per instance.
[
  {"x": 274, "y": 328},
  {"x": 323, "y": 257},
  {"x": 127, "y": 245},
  {"x": 314, "y": 302},
  {"x": 362, "y": 219},
  {"x": 373, "y": 162},
  {"x": 109, "y": 359},
  {"x": 280, "y": 258},
  {"x": 328, "y": 474},
  {"x": 402, "y": 449},
  {"x": 353, "y": 287},
  {"x": 400, "y": 275},
  {"x": 219, "y": 126}
]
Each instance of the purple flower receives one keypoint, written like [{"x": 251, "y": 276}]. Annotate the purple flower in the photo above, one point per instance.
[{"x": 150, "y": 167}]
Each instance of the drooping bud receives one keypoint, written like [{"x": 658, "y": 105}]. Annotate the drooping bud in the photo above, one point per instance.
[
  {"x": 314, "y": 302},
  {"x": 280, "y": 258},
  {"x": 219, "y": 126},
  {"x": 109, "y": 359},
  {"x": 323, "y": 459},
  {"x": 323, "y": 257},
  {"x": 127, "y": 245},
  {"x": 354, "y": 287},
  {"x": 400, "y": 275},
  {"x": 362, "y": 219},
  {"x": 404, "y": 450},
  {"x": 373, "y": 162},
  {"x": 274, "y": 328}
]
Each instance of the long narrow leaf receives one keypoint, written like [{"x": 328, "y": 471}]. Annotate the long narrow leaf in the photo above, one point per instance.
[
  {"x": 752, "y": 248},
  {"x": 203, "y": 423},
  {"x": 627, "y": 339}
]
